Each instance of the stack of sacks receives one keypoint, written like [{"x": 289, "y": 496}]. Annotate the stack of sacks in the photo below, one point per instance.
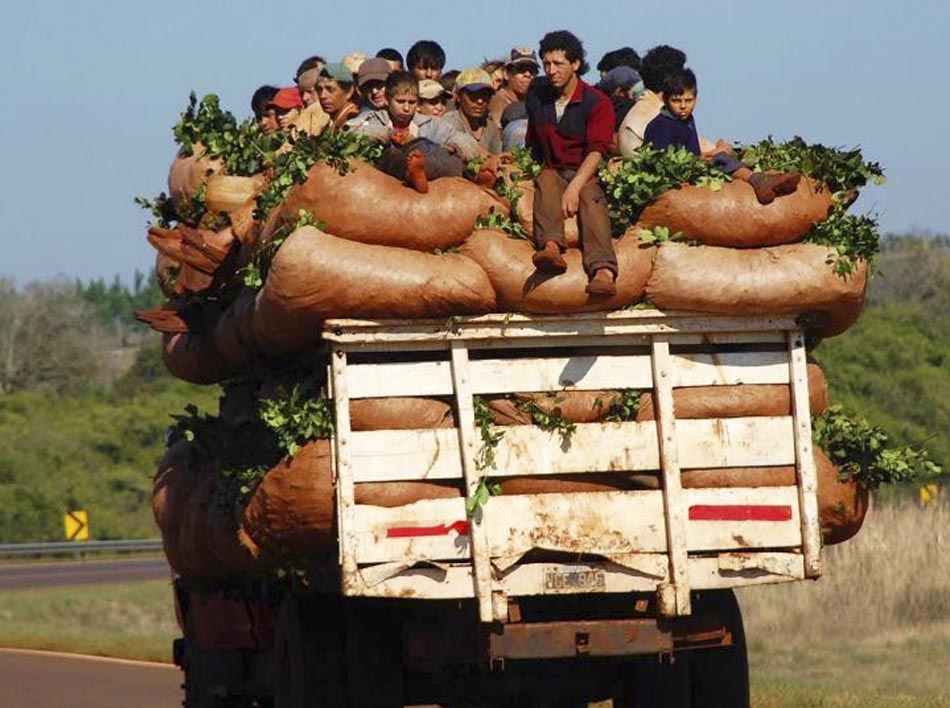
[
  {"x": 385, "y": 251},
  {"x": 291, "y": 513}
]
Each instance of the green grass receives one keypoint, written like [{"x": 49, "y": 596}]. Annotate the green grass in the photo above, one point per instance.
[
  {"x": 133, "y": 620},
  {"x": 870, "y": 671}
]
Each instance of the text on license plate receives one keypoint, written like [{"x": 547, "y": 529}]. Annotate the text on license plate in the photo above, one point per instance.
[{"x": 571, "y": 580}]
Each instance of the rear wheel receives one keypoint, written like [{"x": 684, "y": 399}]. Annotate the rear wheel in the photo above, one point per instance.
[{"x": 695, "y": 678}]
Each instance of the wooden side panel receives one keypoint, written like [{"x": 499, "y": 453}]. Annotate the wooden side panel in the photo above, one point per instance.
[
  {"x": 583, "y": 373},
  {"x": 713, "y": 572},
  {"x": 592, "y": 447},
  {"x": 601, "y": 523}
]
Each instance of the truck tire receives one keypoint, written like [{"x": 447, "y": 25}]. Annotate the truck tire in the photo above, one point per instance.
[
  {"x": 720, "y": 677},
  {"x": 373, "y": 640},
  {"x": 308, "y": 657},
  {"x": 696, "y": 678}
]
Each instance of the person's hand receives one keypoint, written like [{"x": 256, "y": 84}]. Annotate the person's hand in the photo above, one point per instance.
[
  {"x": 723, "y": 146},
  {"x": 570, "y": 201},
  {"x": 400, "y": 137}
]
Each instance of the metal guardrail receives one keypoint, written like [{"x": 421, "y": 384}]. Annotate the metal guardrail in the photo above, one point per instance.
[{"x": 66, "y": 548}]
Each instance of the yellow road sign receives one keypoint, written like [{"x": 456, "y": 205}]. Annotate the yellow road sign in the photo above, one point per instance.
[
  {"x": 76, "y": 524},
  {"x": 929, "y": 493}
]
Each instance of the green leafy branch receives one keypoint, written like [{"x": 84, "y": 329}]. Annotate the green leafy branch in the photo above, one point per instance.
[
  {"x": 659, "y": 234},
  {"x": 838, "y": 168},
  {"x": 548, "y": 420},
  {"x": 165, "y": 214},
  {"x": 297, "y": 417},
  {"x": 864, "y": 452},
  {"x": 485, "y": 458},
  {"x": 853, "y": 237},
  {"x": 634, "y": 182},
  {"x": 499, "y": 221},
  {"x": 624, "y": 406},
  {"x": 336, "y": 148}
]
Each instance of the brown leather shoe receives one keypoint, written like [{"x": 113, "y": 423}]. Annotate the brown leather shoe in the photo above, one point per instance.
[
  {"x": 416, "y": 172},
  {"x": 549, "y": 258},
  {"x": 602, "y": 283},
  {"x": 769, "y": 185}
]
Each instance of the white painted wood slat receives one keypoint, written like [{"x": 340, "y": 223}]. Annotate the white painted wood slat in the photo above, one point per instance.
[
  {"x": 398, "y": 455},
  {"x": 581, "y": 373}
]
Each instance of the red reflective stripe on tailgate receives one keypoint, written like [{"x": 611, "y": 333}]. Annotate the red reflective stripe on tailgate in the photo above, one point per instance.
[
  {"x": 460, "y": 527},
  {"x": 739, "y": 512}
]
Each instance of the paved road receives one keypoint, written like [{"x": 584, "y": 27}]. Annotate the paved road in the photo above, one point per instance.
[
  {"x": 68, "y": 573},
  {"x": 46, "y": 680}
]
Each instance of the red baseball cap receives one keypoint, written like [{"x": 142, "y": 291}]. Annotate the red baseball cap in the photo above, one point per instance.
[{"x": 287, "y": 98}]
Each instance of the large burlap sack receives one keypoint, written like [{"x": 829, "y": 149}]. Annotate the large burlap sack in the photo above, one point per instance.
[
  {"x": 232, "y": 336},
  {"x": 574, "y": 406},
  {"x": 236, "y": 197},
  {"x": 742, "y": 401},
  {"x": 405, "y": 413},
  {"x": 166, "y": 273},
  {"x": 208, "y": 542},
  {"x": 316, "y": 276},
  {"x": 194, "y": 545},
  {"x": 521, "y": 288},
  {"x": 524, "y": 213},
  {"x": 842, "y": 506},
  {"x": 733, "y": 217},
  {"x": 166, "y": 241},
  {"x": 368, "y": 206},
  {"x": 204, "y": 249},
  {"x": 192, "y": 357},
  {"x": 292, "y": 511},
  {"x": 174, "y": 480},
  {"x": 782, "y": 280},
  {"x": 187, "y": 174}
]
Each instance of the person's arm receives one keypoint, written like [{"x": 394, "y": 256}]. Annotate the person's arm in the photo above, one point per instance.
[
  {"x": 572, "y": 195},
  {"x": 600, "y": 134}
]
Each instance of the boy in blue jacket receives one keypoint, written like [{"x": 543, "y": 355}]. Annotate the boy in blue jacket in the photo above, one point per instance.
[{"x": 675, "y": 125}]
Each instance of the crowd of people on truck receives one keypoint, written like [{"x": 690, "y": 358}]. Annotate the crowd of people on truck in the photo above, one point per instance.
[{"x": 435, "y": 123}]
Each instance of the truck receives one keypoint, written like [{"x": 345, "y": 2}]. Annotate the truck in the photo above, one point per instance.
[{"x": 560, "y": 592}]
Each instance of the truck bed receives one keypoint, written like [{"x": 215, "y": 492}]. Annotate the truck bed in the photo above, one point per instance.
[{"x": 667, "y": 540}]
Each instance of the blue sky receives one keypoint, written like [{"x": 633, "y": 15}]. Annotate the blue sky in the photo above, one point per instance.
[{"x": 91, "y": 89}]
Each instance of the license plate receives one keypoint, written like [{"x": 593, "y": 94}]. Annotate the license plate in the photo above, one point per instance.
[{"x": 574, "y": 580}]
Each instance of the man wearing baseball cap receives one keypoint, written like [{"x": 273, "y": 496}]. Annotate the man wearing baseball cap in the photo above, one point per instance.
[
  {"x": 473, "y": 91},
  {"x": 286, "y": 105},
  {"x": 336, "y": 92},
  {"x": 520, "y": 70},
  {"x": 371, "y": 81},
  {"x": 433, "y": 98}
]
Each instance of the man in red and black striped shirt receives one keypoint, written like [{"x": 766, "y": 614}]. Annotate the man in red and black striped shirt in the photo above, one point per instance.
[{"x": 570, "y": 128}]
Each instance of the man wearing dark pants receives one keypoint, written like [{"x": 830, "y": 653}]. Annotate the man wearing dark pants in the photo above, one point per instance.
[{"x": 570, "y": 128}]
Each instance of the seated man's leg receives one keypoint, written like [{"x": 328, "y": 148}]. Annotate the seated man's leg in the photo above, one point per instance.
[
  {"x": 597, "y": 244},
  {"x": 439, "y": 162},
  {"x": 549, "y": 188},
  {"x": 767, "y": 185}
]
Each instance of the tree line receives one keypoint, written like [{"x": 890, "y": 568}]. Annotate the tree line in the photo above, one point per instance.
[{"x": 85, "y": 399}]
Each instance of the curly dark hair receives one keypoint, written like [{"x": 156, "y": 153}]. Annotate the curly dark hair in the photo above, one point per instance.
[
  {"x": 659, "y": 64},
  {"x": 625, "y": 56},
  {"x": 261, "y": 98},
  {"x": 425, "y": 53},
  {"x": 567, "y": 42},
  {"x": 680, "y": 82},
  {"x": 390, "y": 54},
  {"x": 309, "y": 63}
]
